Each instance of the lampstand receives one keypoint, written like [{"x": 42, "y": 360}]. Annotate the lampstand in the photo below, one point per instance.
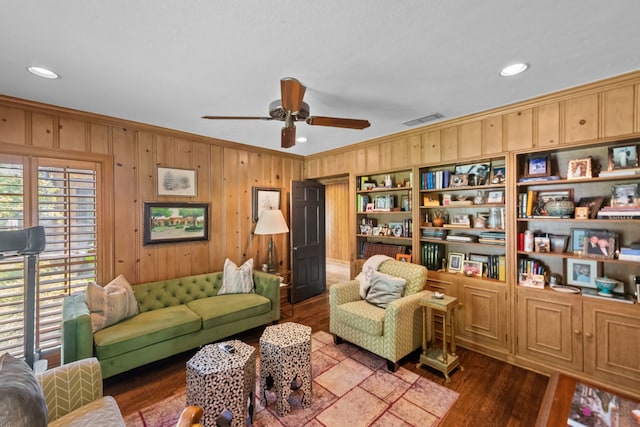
[{"x": 269, "y": 223}]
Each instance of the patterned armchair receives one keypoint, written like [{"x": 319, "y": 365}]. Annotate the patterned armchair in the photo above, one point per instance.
[
  {"x": 73, "y": 394},
  {"x": 391, "y": 333}
]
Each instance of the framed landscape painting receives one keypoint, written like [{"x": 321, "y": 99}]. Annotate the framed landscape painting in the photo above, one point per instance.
[{"x": 175, "y": 222}]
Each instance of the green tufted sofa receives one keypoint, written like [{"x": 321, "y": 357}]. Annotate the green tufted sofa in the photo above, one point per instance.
[
  {"x": 174, "y": 316},
  {"x": 391, "y": 333}
]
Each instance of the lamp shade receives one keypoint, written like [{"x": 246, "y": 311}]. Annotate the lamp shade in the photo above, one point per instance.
[{"x": 271, "y": 222}]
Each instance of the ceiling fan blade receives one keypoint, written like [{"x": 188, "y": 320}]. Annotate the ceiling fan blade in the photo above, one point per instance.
[
  {"x": 288, "y": 137},
  {"x": 236, "y": 118},
  {"x": 291, "y": 92},
  {"x": 338, "y": 122}
]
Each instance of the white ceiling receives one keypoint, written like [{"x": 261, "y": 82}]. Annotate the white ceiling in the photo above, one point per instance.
[{"x": 167, "y": 63}]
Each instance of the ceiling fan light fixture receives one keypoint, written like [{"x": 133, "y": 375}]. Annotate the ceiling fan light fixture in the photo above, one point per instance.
[
  {"x": 514, "y": 69},
  {"x": 43, "y": 72}
]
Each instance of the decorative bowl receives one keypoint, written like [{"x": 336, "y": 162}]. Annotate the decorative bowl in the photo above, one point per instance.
[
  {"x": 559, "y": 207},
  {"x": 606, "y": 285}
]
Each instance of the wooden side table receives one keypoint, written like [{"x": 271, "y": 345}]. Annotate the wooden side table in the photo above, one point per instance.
[
  {"x": 286, "y": 285},
  {"x": 439, "y": 358}
]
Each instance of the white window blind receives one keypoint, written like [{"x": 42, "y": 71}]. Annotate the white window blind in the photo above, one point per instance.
[{"x": 64, "y": 203}]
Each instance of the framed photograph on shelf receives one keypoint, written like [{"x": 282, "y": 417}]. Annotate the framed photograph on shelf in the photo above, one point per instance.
[
  {"x": 499, "y": 174},
  {"x": 495, "y": 196},
  {"x": 577, "y": 240},
  {"x": 582, "y": 272},
  {"x": 460, "y": 219},
  {"x": 580, "y": 168},
  {"x": 593, "y": 203},
  {"x": 459, "y": 180},
  {"x": 403, "y": 257},
  {"x": 175, "y": 222},
  {"x": 599, "y": 244},
  {"x": 478, "y": 173},
  {"x": 623, "y": 157},
  {"x": 581, "y": 212},
  {"x": 538, "y": 165},
  {"x": 455, "y": 262},
  {"x": 472, "y": 268},
  {"x": 625, "y": 195},
  {"x": 176, "y": 182},
  {"x": 265, "y": 198}
]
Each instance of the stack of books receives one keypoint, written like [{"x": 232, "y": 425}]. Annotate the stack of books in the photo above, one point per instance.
[
  {"x": 462, "y": 238},
  {"x": 434, "y": 233},
  {"x": 492, "y": 237},
  {"x": 619, "y": 212},
  {"x": 496, "y": 267},
  {"x": 620, "y": 172},
  {"x": 629, "y": 254}
]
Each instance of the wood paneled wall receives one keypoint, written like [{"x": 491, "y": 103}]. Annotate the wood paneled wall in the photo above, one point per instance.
[
  {"x": 336, "y": 220},
  {"x": 130, "y": 154}
]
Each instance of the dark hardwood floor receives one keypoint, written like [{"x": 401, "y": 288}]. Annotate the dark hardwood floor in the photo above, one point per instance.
[{"x": 492, "y": 393}]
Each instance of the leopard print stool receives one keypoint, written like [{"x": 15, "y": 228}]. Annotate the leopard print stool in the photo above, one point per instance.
[
  {"x": 285, "y": 357},
  {"x": 219, "y": 380}
]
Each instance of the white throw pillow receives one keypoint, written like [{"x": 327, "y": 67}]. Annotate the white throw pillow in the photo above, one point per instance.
[
  {"x": 384, "y": 289},
  {"x": 237, "y": 280},
  {"x": 111, "y": 303}
]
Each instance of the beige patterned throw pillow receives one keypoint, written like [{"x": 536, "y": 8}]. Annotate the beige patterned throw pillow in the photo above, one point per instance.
[
  {"x": 111, "y": 303},
  {"x": 237, "y": 280}
]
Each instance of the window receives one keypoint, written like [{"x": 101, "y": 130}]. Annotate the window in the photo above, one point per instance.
[{"x": 64, "y": 203}]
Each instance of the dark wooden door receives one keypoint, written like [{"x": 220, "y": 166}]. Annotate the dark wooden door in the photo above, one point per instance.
[{"x": 307, "y": 240}]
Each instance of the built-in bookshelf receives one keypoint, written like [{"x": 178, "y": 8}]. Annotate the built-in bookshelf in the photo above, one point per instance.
[
  {"x": 600, "y": 187},
  {"x": 462, "y": 212},
  {"x": 384, "y": 213}
]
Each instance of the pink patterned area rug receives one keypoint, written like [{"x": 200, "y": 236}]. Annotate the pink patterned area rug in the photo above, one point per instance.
[{"x": 351, "y": 387}]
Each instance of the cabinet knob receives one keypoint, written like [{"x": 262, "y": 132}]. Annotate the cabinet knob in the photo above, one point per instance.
[
  {"x": 588, "y": 334},
  {"x": 577, "y": 332},
  {"x": 582, "y": 122}
]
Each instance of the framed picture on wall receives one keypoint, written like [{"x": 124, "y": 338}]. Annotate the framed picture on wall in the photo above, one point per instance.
[
  {"x": 176, "y": 182},
  {"x": 175, "y": 222},
  {"x": 265, "y": 198}
]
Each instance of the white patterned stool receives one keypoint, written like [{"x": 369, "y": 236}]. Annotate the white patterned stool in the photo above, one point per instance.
[
  {"x": 285, "y": 358},
  {"x": 218, "y": 380}
]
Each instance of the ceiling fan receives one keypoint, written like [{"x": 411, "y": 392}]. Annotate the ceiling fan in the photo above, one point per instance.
[{"x": 290, "y": 109}]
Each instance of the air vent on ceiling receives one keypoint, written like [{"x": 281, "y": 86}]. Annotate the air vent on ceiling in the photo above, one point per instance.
[{"x": 424, "y": 119}]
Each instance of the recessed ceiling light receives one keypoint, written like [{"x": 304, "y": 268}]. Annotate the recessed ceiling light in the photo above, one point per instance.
[
  {"x": 301, "y": 139},
  {"x": 43, "y": 72},
  {"x": 513, "y": 69}
]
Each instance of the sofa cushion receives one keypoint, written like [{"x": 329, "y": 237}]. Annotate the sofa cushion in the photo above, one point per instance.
[
  {"x": 384, "y": 289},
  {"x": 110, "y": 304},
  {"x": 101, "y": 412},
  {"x": 237, "y": 280},
  {"x": 224, "y": 309},
  {"x": 21, "y": 398},
  {"x": 362, "y": 316},
  {"x": 145, "y": 329}
]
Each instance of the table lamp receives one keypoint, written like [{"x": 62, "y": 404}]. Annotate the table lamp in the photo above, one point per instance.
[{"x": 271, "y": 222}]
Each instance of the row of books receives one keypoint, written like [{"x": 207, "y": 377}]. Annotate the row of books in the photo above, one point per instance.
[
  {"x": 527, "y": 266},
  {"x": 432, "y": 255},
  {"x": 492, "y": 238},
  {"x": 434, "y": 180},
  {"x": 497, "y": 267},
  {"x": 459, "y": 237}
]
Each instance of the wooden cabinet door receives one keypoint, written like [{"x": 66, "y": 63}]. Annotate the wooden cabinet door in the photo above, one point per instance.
[
  {"x": 618, "y": 111},
  {"x": 492, "y": 135},
  {"x": 550, "y": 328},
  {"x": 450, "y": 144},
  {"x": 612, "y": 342},
  {"x": 519, "y": 130},
  {"x": 548, "y": 125},
  {"x": 470, "y": 139},
  {"x": 431, "y": 147},
  {"x": 581, "y": 119},
  {"x": 482, "y": 314}
]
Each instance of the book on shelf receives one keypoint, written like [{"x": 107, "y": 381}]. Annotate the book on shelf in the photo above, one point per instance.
[
  {"x": 594, "y": 293},
  {"x": 499, "y": 242},
  {"x": 461, "y": 238},
  {"x": 620, "y": 172},
  {"x": 539, "y": 178},
  {"x": 457, "y": 225},
  {"x": 432, "y": 255}
]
